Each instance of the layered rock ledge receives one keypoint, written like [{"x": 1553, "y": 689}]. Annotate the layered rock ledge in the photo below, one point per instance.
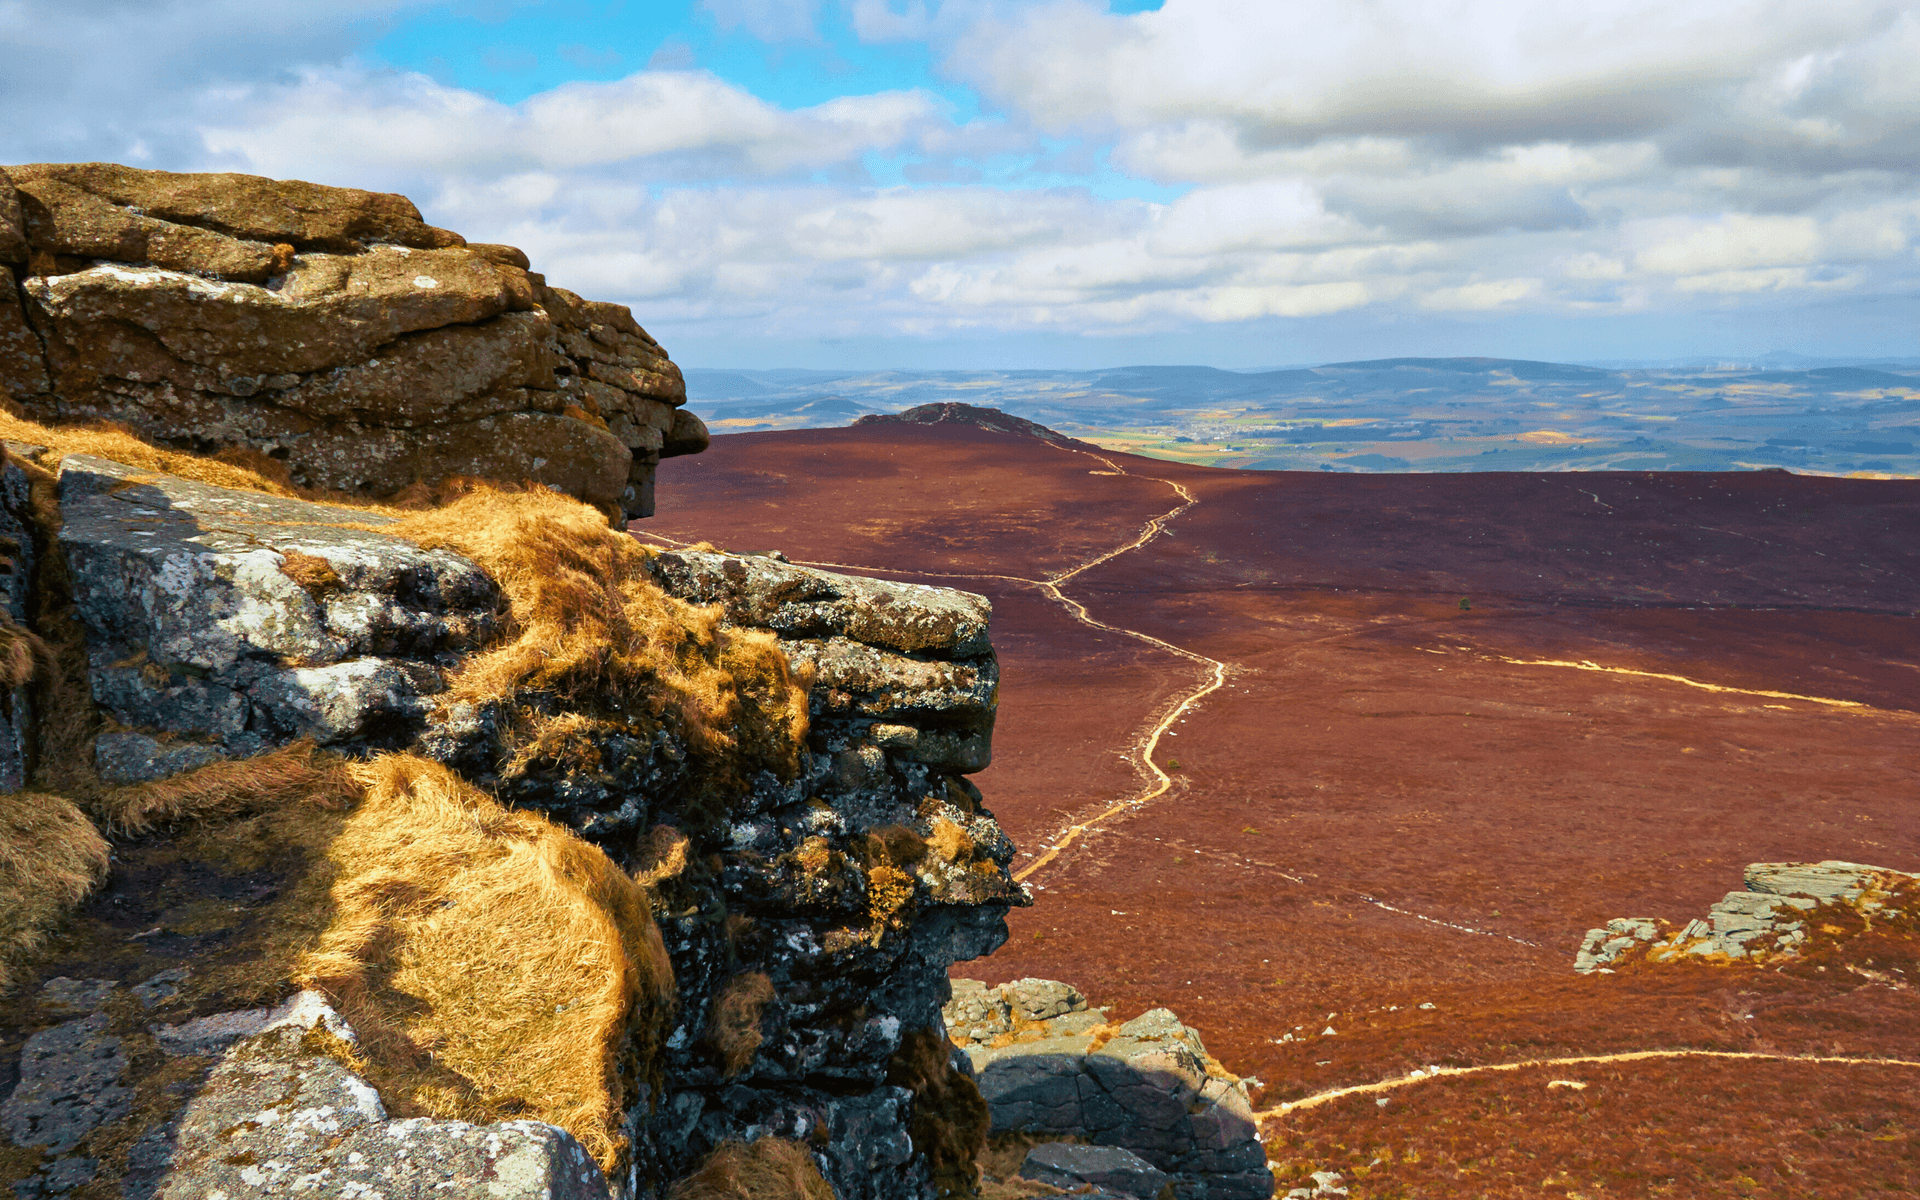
[
  {"x": 809, "y": 918},
  {"x": 329, "y": 329}
]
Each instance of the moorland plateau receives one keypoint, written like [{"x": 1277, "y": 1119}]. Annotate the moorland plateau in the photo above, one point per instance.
[{"x": 1343, "y": 767}]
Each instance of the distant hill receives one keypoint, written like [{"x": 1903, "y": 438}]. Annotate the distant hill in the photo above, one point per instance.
[{"x": 950, "y": 413}]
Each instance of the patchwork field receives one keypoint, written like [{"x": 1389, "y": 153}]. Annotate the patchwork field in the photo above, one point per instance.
[{"x": 1342, "y": 767}]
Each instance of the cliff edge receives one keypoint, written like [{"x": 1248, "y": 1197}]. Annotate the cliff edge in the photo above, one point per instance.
[{"x": 456, "y": 844}]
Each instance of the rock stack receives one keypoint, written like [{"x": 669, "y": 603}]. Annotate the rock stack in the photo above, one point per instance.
[
  {"x": 365, "y": 765},
  {"x": 329, "y": 329}
]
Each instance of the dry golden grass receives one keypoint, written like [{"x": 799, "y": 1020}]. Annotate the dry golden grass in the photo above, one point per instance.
[
  {"x": 51, "y": 856},
  {"x": 295, "y": 773},
  {"x": 950, "y": 1118},
  {"x": 949, "y": 842},
  {"x": 493, "y": 964},
  {"x": 769, "y": 1169},
  {"x": 23, "y": 656},
  {"x": 590, "y": 628},
  {"x": 734, "y": 1029},
  {"x": 249, "y": 470}
]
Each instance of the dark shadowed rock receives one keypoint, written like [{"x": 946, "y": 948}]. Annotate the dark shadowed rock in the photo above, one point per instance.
[
  {"x": 70, "y": 1082},
  {"x": 1047, "y": 1064},
  {"x": 1071, "y": 1167}
]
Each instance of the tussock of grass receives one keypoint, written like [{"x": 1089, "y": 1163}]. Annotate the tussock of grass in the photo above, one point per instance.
[
  {"x": 22, "y": 655},
  {"x": 51, "y": 856},
  {"x": 950, "y": 1118},
  {"x": 768, "y": 1169},
  {"x": 295, "y": 773},
  {"x": 591, "y": 630},
  {"x": 734, "y": 1029},
  {"x": 493, "y": 964}
]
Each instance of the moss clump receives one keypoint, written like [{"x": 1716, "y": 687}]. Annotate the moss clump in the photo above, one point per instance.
[{"x": 734, "y": 1030}]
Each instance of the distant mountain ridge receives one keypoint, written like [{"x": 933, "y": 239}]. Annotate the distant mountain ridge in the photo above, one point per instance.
[{"x": 1407, "y": 413}]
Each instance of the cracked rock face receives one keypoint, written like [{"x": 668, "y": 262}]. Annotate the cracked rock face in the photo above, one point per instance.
[
  {"x": 195, "y": 630},
  {"x": 330, "y": 328},
  {"x": 851, "y": 888}
]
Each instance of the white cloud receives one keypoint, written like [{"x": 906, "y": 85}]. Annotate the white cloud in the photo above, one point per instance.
[
  {"x": 1467, "y": 157},
  {"x": 768, "y": 20}
]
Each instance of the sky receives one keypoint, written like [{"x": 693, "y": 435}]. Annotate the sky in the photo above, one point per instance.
[{"x": 1074, "y": 183}]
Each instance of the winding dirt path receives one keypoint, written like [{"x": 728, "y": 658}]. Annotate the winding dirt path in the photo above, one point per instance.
[{"x": 1400, "y": 1081}]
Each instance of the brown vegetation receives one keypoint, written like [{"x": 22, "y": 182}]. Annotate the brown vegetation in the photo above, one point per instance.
[
  {"x": 313, "y": 574},
  {"x": 768, "y": 1169},
  {"x": 493, "y": 964},
  {"x": 734, "y": 1029},
  {"x": 590, "y": 628},
  {"x": 292, "y": 774},
  {"x": 1377, "y": 745},
  {"x": 50, "y": 858},
  {"x": 950, "y": 1118}
]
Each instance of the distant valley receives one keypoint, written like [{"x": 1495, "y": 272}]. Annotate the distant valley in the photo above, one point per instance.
[{"x": 1401, "y": 414}]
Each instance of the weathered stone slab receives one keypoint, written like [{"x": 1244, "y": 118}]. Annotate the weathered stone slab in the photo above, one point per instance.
[
  {"x": 1070, "y": 1167},
  {"x": 194, "y": 627},
  {"x": 802, "y": 602}
]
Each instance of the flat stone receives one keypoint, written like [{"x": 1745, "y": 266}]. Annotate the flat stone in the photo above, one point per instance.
[
  {"x": 69, "y": 1085},
  {"x": 1043, "y": 999},
  {"x": 128, "y": 758},
  {"x": 69, "y": 996},
  {"x": 1068, "y": 1166},
  {"x": 1831, "y": 879},
  {"x": 802, "y": 602},
  {"x": 160, "y": 988}
]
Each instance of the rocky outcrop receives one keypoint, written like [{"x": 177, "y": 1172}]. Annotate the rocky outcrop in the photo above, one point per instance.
[
  {"x": 810, "y": 918},
  {"x": 1767, "y": 920},
  {"x": 1049, "y": 1064},
  {"x": 328, "y": 328},
  {"x": 270, "y": 1114}
]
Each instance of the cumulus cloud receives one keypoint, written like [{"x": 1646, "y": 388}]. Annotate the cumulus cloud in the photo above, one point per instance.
[{"x": 1474, "y": 158}]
